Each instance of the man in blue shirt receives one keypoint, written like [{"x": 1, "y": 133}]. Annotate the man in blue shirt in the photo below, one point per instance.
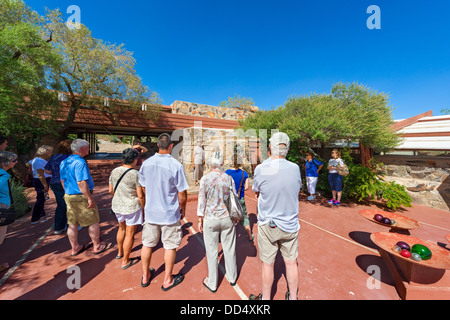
[{"x": 81, "y": 207}]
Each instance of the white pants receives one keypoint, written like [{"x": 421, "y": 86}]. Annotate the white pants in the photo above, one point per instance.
[
  {"x": 226, "y": 229},
  {"x": 311, "y": 183}
]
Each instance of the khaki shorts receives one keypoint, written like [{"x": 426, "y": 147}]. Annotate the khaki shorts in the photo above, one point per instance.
[
  {"x": 78, "y": 212},
  {"x": 270, "y": 240},
  {"x": 170, "y": 235}
]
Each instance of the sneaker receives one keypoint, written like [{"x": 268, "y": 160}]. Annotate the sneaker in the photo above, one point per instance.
[
  {"x": 310, "y": 198},
  {"x": 331, "y": 201},
  {"x": 337, "y": 203}
]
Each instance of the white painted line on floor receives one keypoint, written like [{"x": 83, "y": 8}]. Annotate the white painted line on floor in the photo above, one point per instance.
[
  {"x": 221, "y": 267},
  {"x": 22, "y": 259}
]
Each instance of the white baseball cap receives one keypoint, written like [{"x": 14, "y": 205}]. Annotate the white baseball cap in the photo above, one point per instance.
[{"x": 279, "y": 138}]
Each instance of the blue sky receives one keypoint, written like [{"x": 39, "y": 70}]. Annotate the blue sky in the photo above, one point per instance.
[{"x": 206, "y": 51}]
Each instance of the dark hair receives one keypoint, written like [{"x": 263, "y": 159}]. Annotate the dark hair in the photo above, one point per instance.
[
  {"x": 64, "y": 146},
  {"x": 309, "y": 153},
  {"x": 164, "y": 141},
  {"x": 129, "y": 155},
  {"x": 3, "y": 139}
]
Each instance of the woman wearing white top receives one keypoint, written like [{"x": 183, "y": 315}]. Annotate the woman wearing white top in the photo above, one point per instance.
[
  {"x": 215, "y": 221},
  {"x": 334, "y": 178},
  {"x": 41, "y": 181}
]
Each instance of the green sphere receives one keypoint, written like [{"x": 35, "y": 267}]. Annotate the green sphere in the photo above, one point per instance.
[{"x": 423, "y": 251}]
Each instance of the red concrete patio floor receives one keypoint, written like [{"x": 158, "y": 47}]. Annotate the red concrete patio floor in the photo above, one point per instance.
[{"x": 335, "y": 253}]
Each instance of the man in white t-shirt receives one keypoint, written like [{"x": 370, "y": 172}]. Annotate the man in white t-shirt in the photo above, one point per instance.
[
  {"x": 277, "y": 183},
  {"x": 165, "y": 188}
]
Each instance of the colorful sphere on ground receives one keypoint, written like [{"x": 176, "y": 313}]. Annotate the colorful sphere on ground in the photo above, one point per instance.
[
  {"x": 396, "y": 248},
  {"x": 404, "y": 245},
  {"x": 378, "y": 217},
  {"x": 386, "y": 221},
  {"x": 416, "y": 256},
  {"x": 405, "y": 253},
  {"x": 422, "y": 250}
]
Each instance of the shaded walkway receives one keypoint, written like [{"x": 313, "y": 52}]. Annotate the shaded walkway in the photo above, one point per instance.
[{"x": 334, "y": 256}]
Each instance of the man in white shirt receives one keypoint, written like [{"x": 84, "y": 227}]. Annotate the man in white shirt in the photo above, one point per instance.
[
  {"x": 277, "y": 183},
  {"x": 165, "y": 188}
]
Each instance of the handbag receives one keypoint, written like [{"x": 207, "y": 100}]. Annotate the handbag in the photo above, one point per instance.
[
  {"x": 342, "y": 170},
  {"x": 234, "y": 203},
  {"x": 117, "y": 184},
  {"x": 8, "y": 216}
]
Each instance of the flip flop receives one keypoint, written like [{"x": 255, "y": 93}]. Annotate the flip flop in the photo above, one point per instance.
[
  {"x": 133, "y": 261},
  {"x": 107, "y": 246},
  {"x": 213, "y": 291},
  {"x": 177, "y": 279},
  {"x": 81, "y": 250},
  {"x": 152, "y": 272},
  {"x": 4, "y": 266}
]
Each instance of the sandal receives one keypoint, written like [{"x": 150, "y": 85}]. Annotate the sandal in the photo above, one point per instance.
[
  {"x": 80, "y": 251},
  {"x": 152, "y": 272},
  {"x": 177, "y": 279},
  {"x": 106, "y": 247},
  {"x": 133, "y": 261},
  {"x": 213, "y": 291}
]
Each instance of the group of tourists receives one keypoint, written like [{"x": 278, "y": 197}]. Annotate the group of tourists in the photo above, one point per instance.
[{"x": 154, "y": 194}]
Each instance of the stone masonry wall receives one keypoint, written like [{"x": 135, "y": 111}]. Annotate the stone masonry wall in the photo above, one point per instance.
[
  {"x": 427, "y": 179},
  {"x": 203, "y": 110}
]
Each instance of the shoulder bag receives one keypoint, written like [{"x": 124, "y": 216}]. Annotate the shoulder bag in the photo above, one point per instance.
[
  {"x": 234, "y": 203},
  {"x": 342, "y": 169},
  {"x": 117, "y": 184},
  {"x": 8, "y": 216}
]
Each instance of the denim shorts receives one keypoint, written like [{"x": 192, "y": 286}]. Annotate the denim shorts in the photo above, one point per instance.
[{"x": 335, "y": 180}]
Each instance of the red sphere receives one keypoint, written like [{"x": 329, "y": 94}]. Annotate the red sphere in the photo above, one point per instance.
[
  {"x": 405, "y": 253},
  {"x": 378, "y": 217}
]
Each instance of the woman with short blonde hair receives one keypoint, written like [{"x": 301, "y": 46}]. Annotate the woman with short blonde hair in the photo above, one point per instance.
[
  {"x": 41, "y": 182},
  {"x": 334, "y": 178}
]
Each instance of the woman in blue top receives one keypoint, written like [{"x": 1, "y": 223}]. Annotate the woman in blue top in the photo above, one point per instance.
[
  {"x": 312, "y": 168},
  {"x": 7, "y": 161},
  {"x": 241, "y": 177},
  {"x": 52, "y": 167},
  {"x": 40, "y": 182}
]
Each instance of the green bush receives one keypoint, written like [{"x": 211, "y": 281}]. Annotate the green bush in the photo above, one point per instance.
[
  {"x": 365, "y": 183},
  {"x": 20, "y": 198}
]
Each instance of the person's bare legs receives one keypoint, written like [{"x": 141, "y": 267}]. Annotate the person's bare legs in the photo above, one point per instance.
[
  {"x": 120, "y": 238},
  {"x": 292, "y": 277},
  {"x": 267, "y": 280},
  {"x": 128, "y": 244},
  {"x": 169, "y": 261},
  {"x": 72, "y": 234},
  {"x": 339, "y": 195},
  {"x": 94, "y": 233},
  {"x": 146, "y": 256}
]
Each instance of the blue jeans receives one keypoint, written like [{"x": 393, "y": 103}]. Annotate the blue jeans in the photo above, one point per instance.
[
  {"x": 61, "y": 207},
  {"x": 335, "y": 180}
]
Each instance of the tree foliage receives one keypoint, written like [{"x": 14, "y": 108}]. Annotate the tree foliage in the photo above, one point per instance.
[
  {"x": 40, "y": 55},
  {"x": 350, "y": 111},
  {"x": 26, "y": 61}
]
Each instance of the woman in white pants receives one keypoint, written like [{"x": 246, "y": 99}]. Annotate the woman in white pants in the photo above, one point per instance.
[
  {"x": 312, "y": 168},
  {"x": 215, "y": 221}
]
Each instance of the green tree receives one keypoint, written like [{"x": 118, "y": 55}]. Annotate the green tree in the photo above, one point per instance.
[
  {"x": 97, "y": 75},
  {"x": 26, "y": 61},
  {"x": 238, "y": 102},
  {"x": 351, "y": 112}
]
